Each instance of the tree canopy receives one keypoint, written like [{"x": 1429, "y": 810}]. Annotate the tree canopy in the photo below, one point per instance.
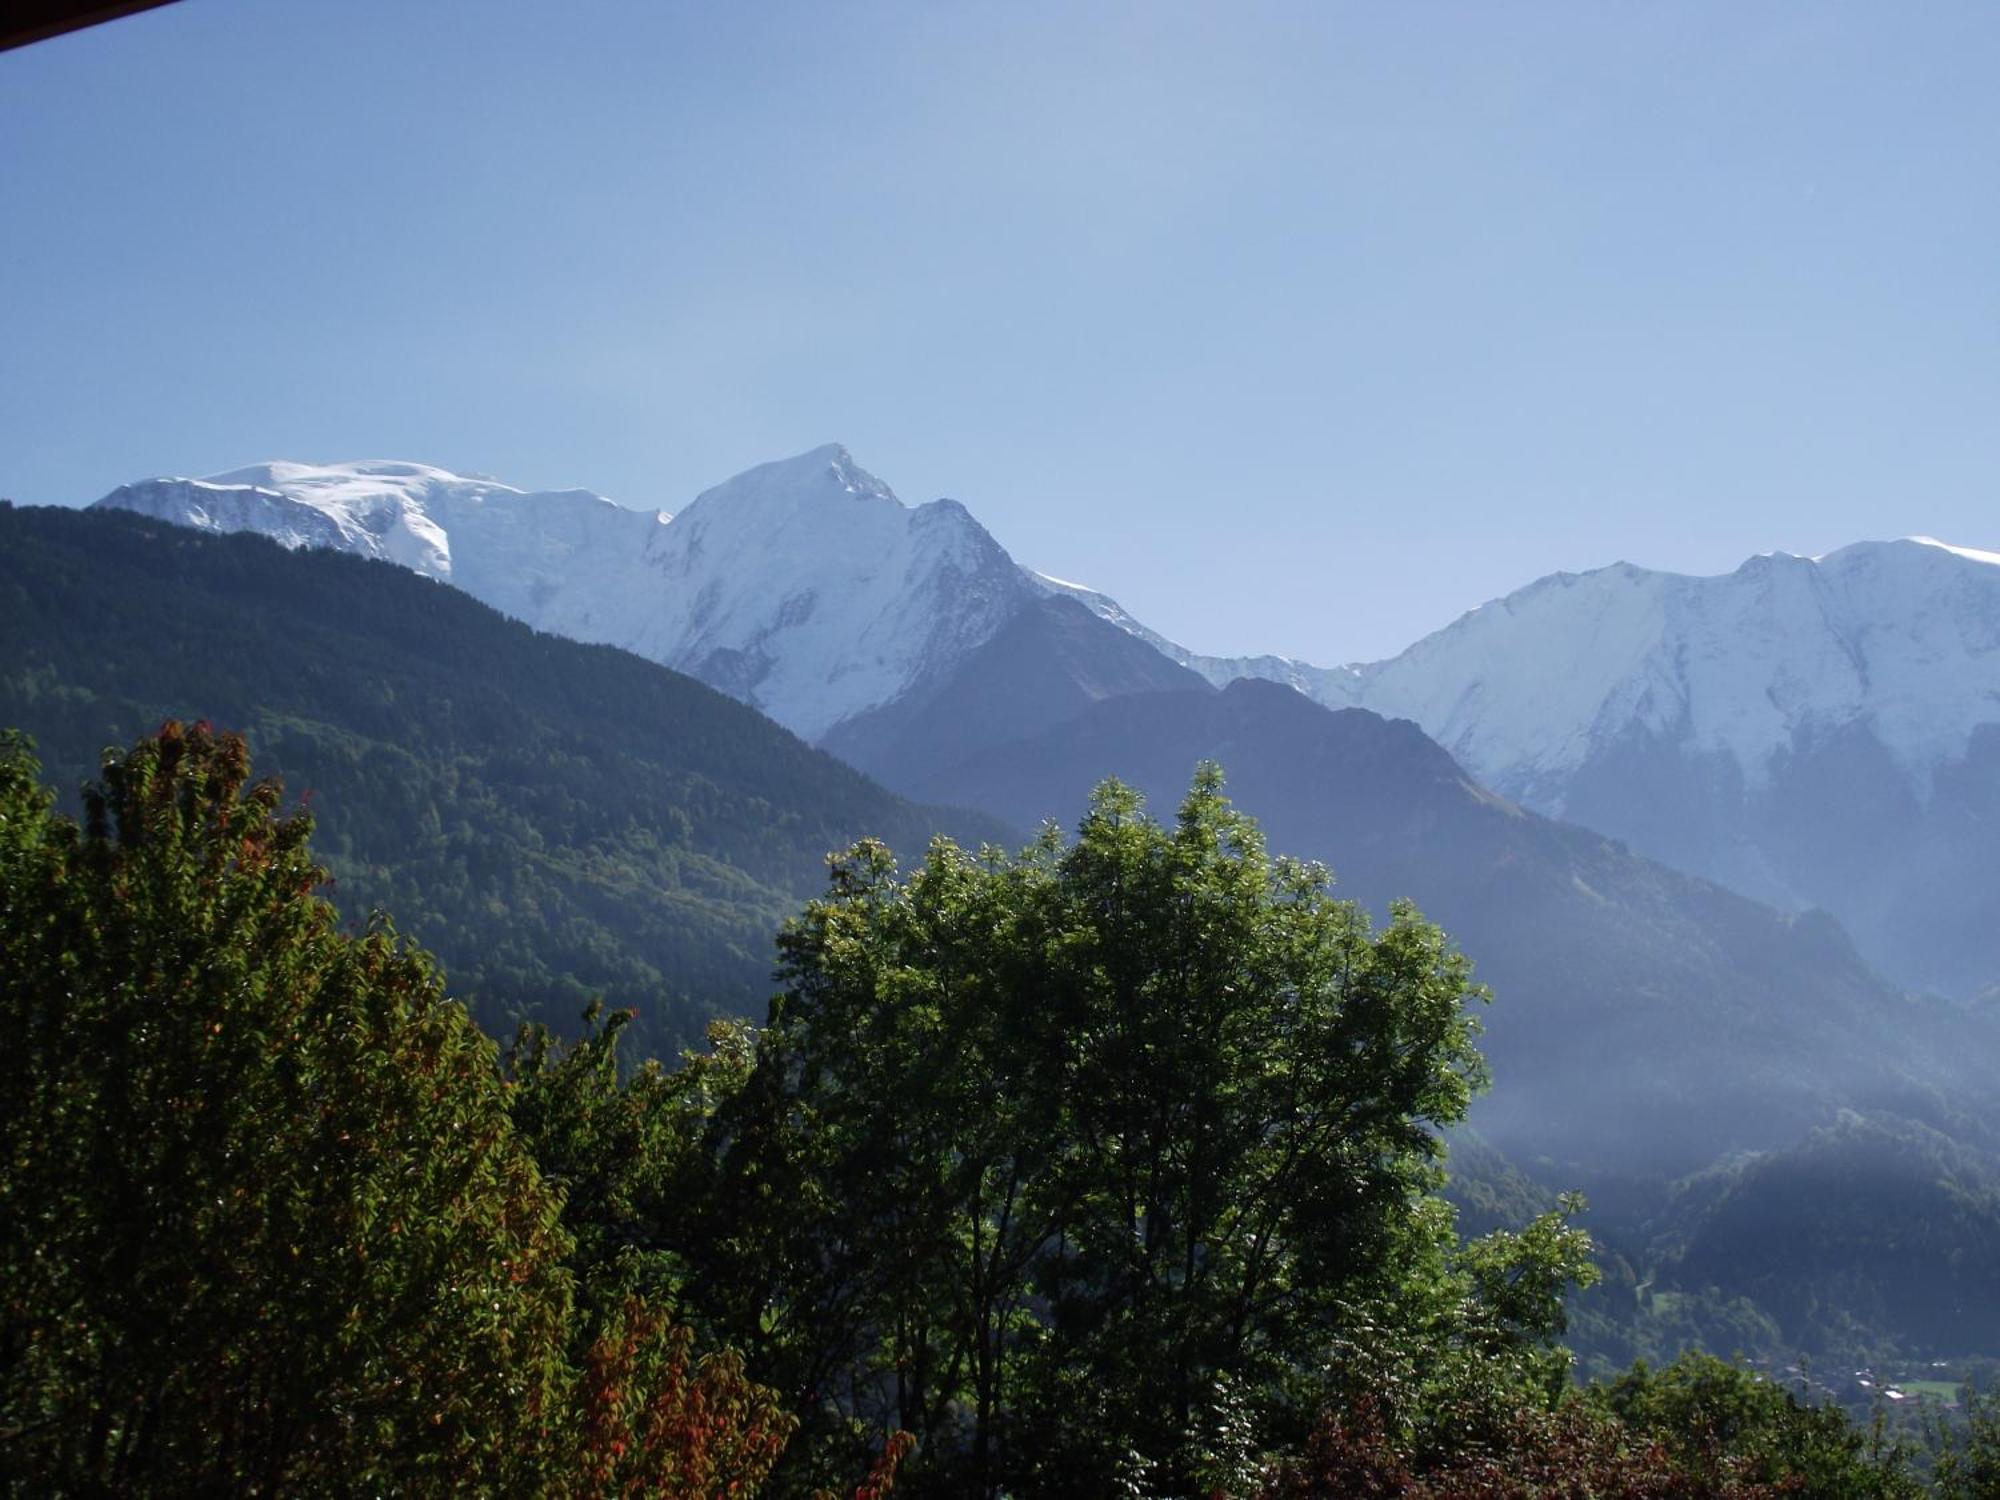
[
  {"x": 1075, "y": 1162},
  {"x": 265, "y": 1223},
  {"x": 1110, "y": 1167}
]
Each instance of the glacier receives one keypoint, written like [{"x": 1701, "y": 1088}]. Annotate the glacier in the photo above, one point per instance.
[{"x": 803, "y": 587}]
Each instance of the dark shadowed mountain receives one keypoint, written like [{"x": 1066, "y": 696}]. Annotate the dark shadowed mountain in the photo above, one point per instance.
[
  {"x": 1645, "y": 1020},
  {"x": 1866, "y": 1224},
  {"x": 555, "y": 820},
  {"x": 1048, "y": 664}
]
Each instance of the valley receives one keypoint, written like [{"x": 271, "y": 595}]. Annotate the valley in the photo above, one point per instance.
[{"x": 1705, "y": 1067}]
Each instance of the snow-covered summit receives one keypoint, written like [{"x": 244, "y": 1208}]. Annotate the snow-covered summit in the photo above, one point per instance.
[
  {"x": 804, "y": 586},
  {"x": 818, "y": 476},
  {"x": 1814, "y": 731},
  {"x": 1900, "y": 638},
  {"x": 399, "y": 512},
  {"x": 807, "y": 588},
  {"x": 1971, "y": 554}
]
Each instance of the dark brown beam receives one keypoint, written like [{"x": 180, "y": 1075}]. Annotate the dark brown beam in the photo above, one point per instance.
[{"x": 25, "y": 21}]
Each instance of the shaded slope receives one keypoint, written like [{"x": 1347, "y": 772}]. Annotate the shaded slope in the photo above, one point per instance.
[
  {"x": 1646, "y": 1020},
  {"x": 1867, "y": 1224},
  {"x": 1048, "y": 664},
  {"x": 553, "y": 819}
]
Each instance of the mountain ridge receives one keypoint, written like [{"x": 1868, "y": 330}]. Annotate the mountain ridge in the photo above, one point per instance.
[
  {"x": 700, "y": 590},
  {"x": 1809, "y": 731}
]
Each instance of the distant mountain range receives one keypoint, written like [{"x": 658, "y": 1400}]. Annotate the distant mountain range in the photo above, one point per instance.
[
  {"x": 909, "y": 643},
  {"x": 559, "y": 819},
  {"x": 1811, "y": 732},
  {"x": 804, "y": 588}
]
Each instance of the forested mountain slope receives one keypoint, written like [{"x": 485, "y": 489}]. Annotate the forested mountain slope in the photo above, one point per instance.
[
  {"x": 553, "y": 819},
  {"x": 1866, "y": 1224}
]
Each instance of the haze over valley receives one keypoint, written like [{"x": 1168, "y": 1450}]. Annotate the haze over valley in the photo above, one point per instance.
[{"x": 1593, "y": 784}]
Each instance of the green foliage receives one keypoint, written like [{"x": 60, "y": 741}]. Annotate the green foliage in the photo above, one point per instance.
[
  {"x": 265, "y": 1225},
  {"x": 627, "y": 1146},
  {"x": 1107, "y": 1168},
  {"x": 1626, "y": 1318},
  {"x": 1965, "y": 1453},
  {"x": 263, "y": 1218},
  {"x": 1105, "y": 1150},
  {"x": 1720, "y": 1422}
]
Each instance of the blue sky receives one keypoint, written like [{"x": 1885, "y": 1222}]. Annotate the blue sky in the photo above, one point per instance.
[{"x": 1298, "y": 327}]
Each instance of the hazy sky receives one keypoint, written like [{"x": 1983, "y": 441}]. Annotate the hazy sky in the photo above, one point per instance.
[{"x": 1297, "y": 327}]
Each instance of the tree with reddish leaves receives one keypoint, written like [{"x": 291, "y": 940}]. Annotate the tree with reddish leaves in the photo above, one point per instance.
[
  {"x": 1570, "y": 1453},
  {"x": 653, "y": 1419},
  {"x": 1701, "y": 1429}
]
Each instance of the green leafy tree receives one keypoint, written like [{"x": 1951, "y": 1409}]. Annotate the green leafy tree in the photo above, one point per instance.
[
  {"x": 1721, "y": 1423},
  {"x": 265, "y": 1225},
  {"x": 1081, "y": 1164},
  {"x": 1965, "y": 1452},
  {"x": 627, "y": 1146},
  {"x": 633, "y": 1152}
]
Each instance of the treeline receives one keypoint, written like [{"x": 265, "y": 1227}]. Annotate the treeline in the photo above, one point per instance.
[{"x": 1107, "y": 1168}]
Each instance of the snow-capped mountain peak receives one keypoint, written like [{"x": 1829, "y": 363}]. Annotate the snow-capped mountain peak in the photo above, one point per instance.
[
  {"x": 415, "y": 515},
  {"x": 1812, "y": 730},
  {"x": 803, "y": 586},
  {"x": 807, "y": 588},
  {"x": 1899, "y": 637},
  {"x": 1902, "y": 637},
  {"x": 823, "y": 473},
  {"x": 1970, "y": 554}
]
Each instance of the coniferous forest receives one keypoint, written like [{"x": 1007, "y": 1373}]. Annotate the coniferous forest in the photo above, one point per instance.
[
  {"x": 1110, "y": 1166},
  {"x": 557, "y": 821}
]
